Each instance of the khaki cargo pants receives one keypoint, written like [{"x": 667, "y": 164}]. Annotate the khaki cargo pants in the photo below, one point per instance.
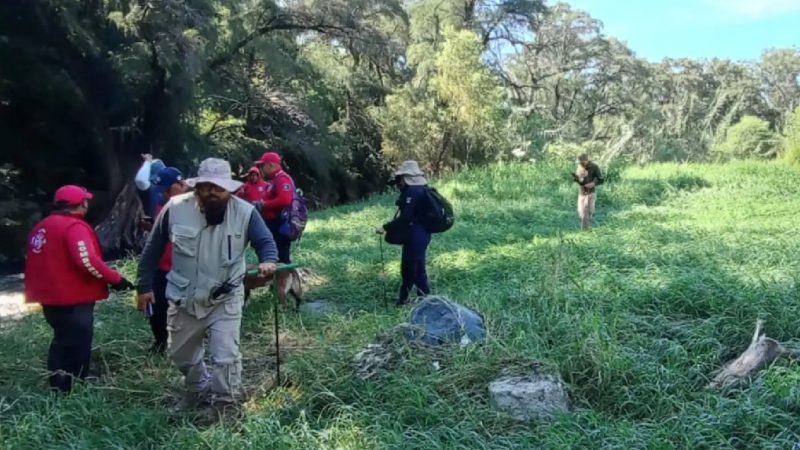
[
  {"x": 185, "y": 347},
  {"x": 586, "y": 209}
]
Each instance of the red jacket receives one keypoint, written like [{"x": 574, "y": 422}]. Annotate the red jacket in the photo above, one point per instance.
[
  {"x": 64, "y": 265},
  {"x": 279, "y": 195},
  {"x": 253, "y": 192},
  {"x": 165, "y": 263}
]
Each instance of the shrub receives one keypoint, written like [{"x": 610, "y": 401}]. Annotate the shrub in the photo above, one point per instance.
[
  {"x": 791, "y": 133},
  {"x": 748, "y": 138}
]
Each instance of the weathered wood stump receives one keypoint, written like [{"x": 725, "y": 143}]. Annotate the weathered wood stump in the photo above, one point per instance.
[{"x": 762, "y": 352}]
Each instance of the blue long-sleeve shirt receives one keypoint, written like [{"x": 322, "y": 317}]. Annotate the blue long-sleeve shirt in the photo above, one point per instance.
[
  {"x": 409, "y": 204},
  {"x": 411, "y": 200},
  {"x": 257, "y": 234}
]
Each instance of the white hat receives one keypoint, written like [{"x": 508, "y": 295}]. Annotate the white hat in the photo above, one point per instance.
[
  {"x": 216, "y": 171},
  {"x": 411, "y": 173}
]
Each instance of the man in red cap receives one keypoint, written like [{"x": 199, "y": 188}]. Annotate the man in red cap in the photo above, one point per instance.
[
  {"x": 254, "y": 188},
  {"x": 65, "y": 273},
  {"x": 278, "y": 197}
]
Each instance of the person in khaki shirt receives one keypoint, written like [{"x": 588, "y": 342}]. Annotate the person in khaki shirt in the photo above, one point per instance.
[
  {"x": 588, "y": 176},
  {"x": 209, "y": 230}
]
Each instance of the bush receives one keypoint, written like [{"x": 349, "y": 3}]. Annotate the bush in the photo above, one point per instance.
[
  {"x": 562, "y": 150},
  {"x": 791, "y": 133},
  {"x": 569, "y": 151},
  {"x": 748, "y": 138}
]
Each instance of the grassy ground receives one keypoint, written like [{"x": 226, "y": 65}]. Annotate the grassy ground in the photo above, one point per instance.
[{"x": 635, "y": 316}]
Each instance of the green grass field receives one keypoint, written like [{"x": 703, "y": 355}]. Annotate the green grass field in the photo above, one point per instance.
[{"x": 635, "y": 316}]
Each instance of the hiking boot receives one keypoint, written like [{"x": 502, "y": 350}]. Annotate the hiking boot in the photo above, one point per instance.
[{"x": 192, "y": 400}]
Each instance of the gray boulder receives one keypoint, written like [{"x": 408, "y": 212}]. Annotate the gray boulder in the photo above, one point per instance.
[
  {"x": 436, "y": 320},
  {"x": 537, "y": 397}
]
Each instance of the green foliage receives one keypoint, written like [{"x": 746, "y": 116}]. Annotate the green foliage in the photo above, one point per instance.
[
  {"x": 791, "y": 133},
  {"x": 563, "y": 151},
  {"x": 453, "y": 118},
  {"x": 635, "y": 316},
  {"x": 751, "y": 137}
]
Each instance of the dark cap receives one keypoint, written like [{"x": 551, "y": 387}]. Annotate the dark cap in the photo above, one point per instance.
[{"x": 166, "y": 177}]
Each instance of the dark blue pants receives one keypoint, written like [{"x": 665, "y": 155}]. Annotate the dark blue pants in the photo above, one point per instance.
[
  {"x": 71, "y": 348},
  {"x": 412, "y": 265},
  {"x": 283, "y": 243},
  {"x": 158, "y": 321}
]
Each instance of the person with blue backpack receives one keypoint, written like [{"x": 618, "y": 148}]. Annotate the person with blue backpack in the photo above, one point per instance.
[
  {"x": 277, "y": 199},
  {"x": 421, "y": 212}
]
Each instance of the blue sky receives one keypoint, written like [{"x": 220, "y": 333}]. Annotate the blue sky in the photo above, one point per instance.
[{"x": 734, "y": 29}]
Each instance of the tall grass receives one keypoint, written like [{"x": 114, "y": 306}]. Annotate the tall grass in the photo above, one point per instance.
[{"x": 634, "y": 315}]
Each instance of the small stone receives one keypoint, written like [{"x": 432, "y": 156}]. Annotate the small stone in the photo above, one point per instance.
[
  {"x": 320, "y": 307},
  {"x": 539, "y": 397}
]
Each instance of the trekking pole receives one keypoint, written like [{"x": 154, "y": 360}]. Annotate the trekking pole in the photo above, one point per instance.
[
  {"x": 383, "y": 274},
  {"x": 280, "y": 268}
]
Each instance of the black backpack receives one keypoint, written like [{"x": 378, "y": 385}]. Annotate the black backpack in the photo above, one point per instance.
[{"x": 438, "y": 216}]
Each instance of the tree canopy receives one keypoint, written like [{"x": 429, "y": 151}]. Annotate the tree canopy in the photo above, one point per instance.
[{"x": 346, "y": 88}]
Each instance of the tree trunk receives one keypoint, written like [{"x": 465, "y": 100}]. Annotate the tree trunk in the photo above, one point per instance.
[{"x": 119, "y": 232}]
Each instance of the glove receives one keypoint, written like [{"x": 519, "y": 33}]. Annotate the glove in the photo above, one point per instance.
[{"x": 123, "y": 285}]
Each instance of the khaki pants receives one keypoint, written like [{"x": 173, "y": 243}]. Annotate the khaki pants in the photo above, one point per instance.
[
  {"x": 186, "y": 334},
  {"x": 586, "y": 209}
]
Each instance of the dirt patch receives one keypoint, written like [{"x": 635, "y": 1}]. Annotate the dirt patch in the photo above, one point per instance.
[{"x": 12, "y": 301}]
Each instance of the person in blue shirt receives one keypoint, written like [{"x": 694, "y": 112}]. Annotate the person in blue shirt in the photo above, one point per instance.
[
  {"x": 408, "y": 230},
  {"x": 145, "y": 181}
]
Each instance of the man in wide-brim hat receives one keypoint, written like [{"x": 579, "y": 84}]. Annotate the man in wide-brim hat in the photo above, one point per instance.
[{"x": 209, "y": 230}]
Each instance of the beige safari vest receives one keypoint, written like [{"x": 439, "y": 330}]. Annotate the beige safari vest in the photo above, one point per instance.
[{"x": 204, "y": 257}]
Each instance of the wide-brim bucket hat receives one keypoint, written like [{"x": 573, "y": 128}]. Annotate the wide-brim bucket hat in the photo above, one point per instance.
[
  {"x": 215, "y": 171},
  {"x": 411, "y": 173}
]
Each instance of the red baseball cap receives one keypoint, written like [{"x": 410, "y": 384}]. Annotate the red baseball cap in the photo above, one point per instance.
[
  {"x": 71, "y": 195},
  {"x": 269, "y": 157}
]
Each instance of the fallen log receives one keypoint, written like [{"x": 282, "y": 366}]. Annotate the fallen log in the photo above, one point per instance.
[{"x": 761, "y": 352}]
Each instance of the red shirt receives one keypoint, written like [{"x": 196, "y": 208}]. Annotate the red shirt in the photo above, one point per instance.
[
  {"x": 253, "y": 192},
  {"x": 279, "y": 196},
  {"x": 64, "y": 264}
]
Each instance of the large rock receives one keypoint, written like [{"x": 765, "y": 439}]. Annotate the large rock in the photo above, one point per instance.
[
  {"x": 539, "y": 397},
  {"x": 436, "y": 320}
]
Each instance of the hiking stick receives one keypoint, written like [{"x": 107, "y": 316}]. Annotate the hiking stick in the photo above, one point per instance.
[
  {"x": 281, "y": 268},
  {"x": 383, "y": 273}
]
